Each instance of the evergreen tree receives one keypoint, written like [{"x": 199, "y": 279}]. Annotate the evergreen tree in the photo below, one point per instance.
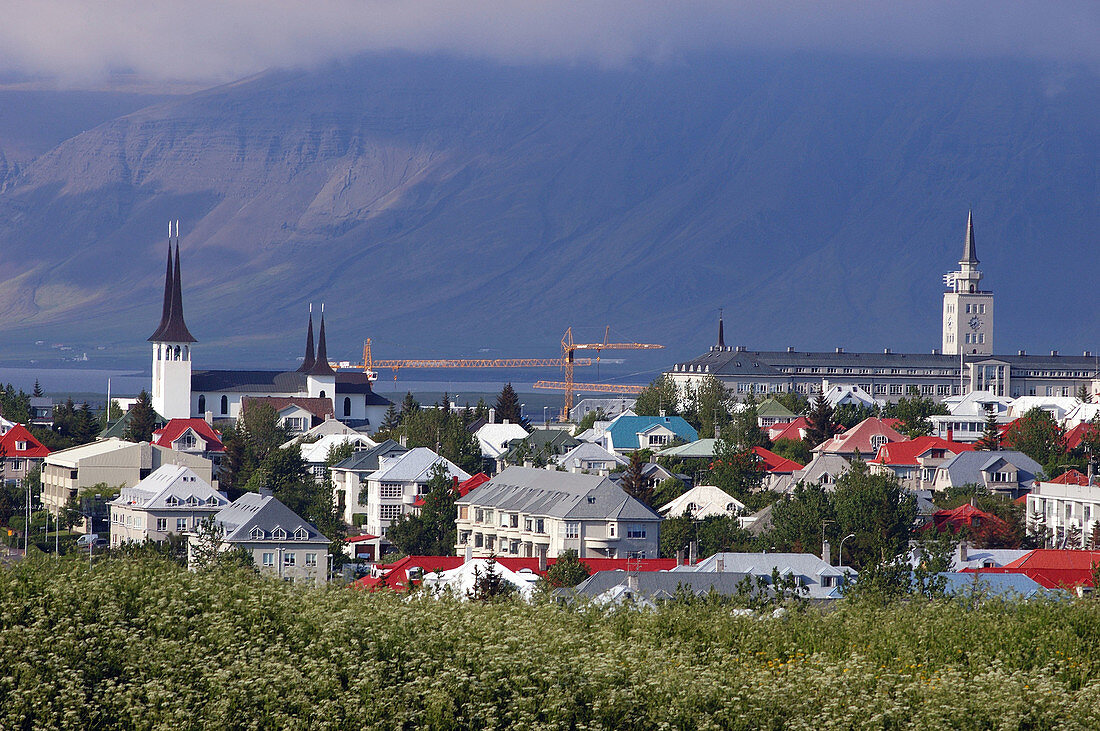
[
  {"x": 432, "y": 532},
  {"x": 143, "y": 419},
  {"x": 409, "y": 405},
  {"x": 1083, "y": 394},
  {"x": 710, "y": 404},
  {"x": 991, "y": 437},
  {"x": 1039, "y": 436},
  {"x": 914, "y": 412},
  {"x": 481, "y": 411},
  {"x": 743, "y": 429},
  {"x": 634, "y": 482},
  {"x": 877, "y": 510},
  {"x": 391, "y": 419},
  {"x": 39, "y": 393},
  {"x": 1073, "y": 538},
  {"x": 567, "y": 571},
  {"x": 798, "y": 520},
  {"x": 820, "y": 418},
  {"x": 507, "y": 406}
]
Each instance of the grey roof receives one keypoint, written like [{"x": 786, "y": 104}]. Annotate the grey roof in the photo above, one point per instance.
[
  {"x": 563, "y": 495},
  {"x": 265, "y": 512},
  {"x": 589, "y": 452},
  {"x": 968, "y": 466},
  {"x": 970, "y": 256},
  {"x": 658, "y": 584},
  {"x": 367, "y": 460},
  {"x": 415, "y": 465},
  {"x": 1003, "y": 585},
  {"x": 255, "y": 381},
  {"x": 805, "y": 565},
  {"x": 172, "y": 487}
]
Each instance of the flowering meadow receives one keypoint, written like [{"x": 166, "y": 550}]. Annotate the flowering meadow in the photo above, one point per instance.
[{"x": 140, "y": 643}]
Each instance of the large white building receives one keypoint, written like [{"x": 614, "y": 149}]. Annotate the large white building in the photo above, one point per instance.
[
  {"x": 179, "y": 392},
  {"x": 967, "y": 310},
  {"x": 174, "y": 499},
  {"x": 1062, "y": 507}
]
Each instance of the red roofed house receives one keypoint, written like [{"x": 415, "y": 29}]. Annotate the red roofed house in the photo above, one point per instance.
[
  {"x": 863, "y": 439},
  {"x": 1071, "y": 477},
  {"x": 1075, "y": 435},
  {"x": 914, "y": 461},
  {"x": 297, "y": 413},
  {"x": 965, "y": 517},
  {"x": 193, "y": 436},
  {"x": 1054, "y": 569},
  {"x": 795, "y": 430},
  {"x": 778, "y": 468},
  {"x": 20, "y": 453}
]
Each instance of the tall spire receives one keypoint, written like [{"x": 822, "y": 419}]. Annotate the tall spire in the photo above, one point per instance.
[
  {"x": 321, "y": 367},
  {"x": 969, "y": 257},
  {"x": 175, "y": 329},
  {"x": 308, "y": 361},
  {"x": 167, "y": 292},
  {"x": 721, "y": 331}
]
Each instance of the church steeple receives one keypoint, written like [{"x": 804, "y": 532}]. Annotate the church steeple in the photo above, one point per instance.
[
  {"x": 173, "y": 328},
  {"x": 167, "y": 293},
  {"x": 969, "y": 256},
  {"x": 308, "y": 361},
  {"x": 721, "y": 331},
  {"x": 321, "y": 366}
]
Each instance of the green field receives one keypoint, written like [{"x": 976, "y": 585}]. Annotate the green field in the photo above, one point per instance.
[{"x": 140, "y": 643}]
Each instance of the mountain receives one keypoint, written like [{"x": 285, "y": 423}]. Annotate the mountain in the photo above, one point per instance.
[{"x": 446, "y": 206}]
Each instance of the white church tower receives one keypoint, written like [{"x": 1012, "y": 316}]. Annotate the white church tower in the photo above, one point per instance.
[
  {"x": 967, "y": 310},
  {"x": 172, "y": 346}
]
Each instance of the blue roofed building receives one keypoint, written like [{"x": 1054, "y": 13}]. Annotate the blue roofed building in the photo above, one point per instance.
[{"x": 628, "y": 433}]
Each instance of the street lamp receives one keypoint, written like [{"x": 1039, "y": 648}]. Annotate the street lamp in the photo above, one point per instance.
[
  {"x": 840, "y": 553},
  {"x": 544, "y": 421}
]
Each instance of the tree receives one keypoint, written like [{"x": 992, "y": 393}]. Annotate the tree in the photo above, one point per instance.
[
  {"x": 567, "y": 571},
  {"x": 39, "y": 393},
  {"x": 793, "y": 449},
  {"x": 1082, "y": 394},
  {"x": 208, "y": 552},
  {"x": 820, "y": 418},
  {"x": 248, "y": 443},
  {"x": 991, "y": 436},
  {"x": 737, "y": 471},
  {"x": 589, "y": 420},
  {"x": 481, "y": 410},
  {"x": 743, "y": 430},
  {"x": 1073, "y": 537},
  {"x": 877, "y": 510},
  {"x": 914, "y": 412},
  {"x": 634, "y": 481},
  {"x": 667, "y": 490},
  {"x": 713, "y": 534},
  {"x": 143, "y": 419},
  {"x": 390, "y": 420},
  {"x": 111, "y": 414},
  {"x": 800, "y": 519},
  {"x": 660, "y": 395},
  {"x": 848, "y": 415},
  {"x": 709, "y": 407},
  {"x": 432, "y": 532},
  {"x": 507, "y": 406},
  {"x": 489, "y": 585},
  {"x": 1039, "y": 436},
  {"x": 409, "y": 405}
]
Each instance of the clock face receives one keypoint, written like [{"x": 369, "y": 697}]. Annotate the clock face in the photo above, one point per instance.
[{"x": 975, "y": 323}]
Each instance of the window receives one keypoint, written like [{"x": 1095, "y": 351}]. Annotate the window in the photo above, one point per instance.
[
  {"x": 172, "y": 501},
  {"x": 289, "y": 558},
  {"x": 878, "y": 440},
  {"x": 527, "y": 524},
  {"x": 257, "y": 534},
  {"x": 225, "y": 405},
  {"x": 347, "y": 406},
  {"x": 278, "y": 534},
  {"x": 20, "y": 446},
  {"x": 181, "y": 524},
  {"x": 269, "y": 559},
  {"x": 300, "y": 535},
  {"x": 464, "y": 512},
  {"x": 635, "y": 530},
  {"x": 635, "y": 555},
  {"x": 390, "y": 489},
  {"x": 311, "y": 559},
  {"x": 162, "y": 524},
  {"x": 504, "y": 520},
  {"x": 610, "y": 530},
  {"x": 490, "y": 542},
  {"x": 572, "y": 529},
  {"x": 187, "y": 441},
  {"x": 540, "y": 526},
  {"x": 202, "y": 404},
  {"x": 389, "y": 512},
  {"x": 515, "y": 520}
]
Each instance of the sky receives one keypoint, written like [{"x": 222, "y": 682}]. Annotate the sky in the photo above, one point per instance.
[{"x": 79, "y": 43}]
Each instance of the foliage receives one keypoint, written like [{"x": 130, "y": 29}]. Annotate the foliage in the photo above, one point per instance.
[
  {"x": 820, "y": 417},
  {"x": 153, "y": 644},
  {"x": 800, "y": 519},
  {"x": 793, "y": 400},
  {"x": 991, "y": 435},
  {"x": 432, "y": 532},
  {"x": 589, "y": 420},
  {"x": 15, "y": 405},
  {"x": 793, "y": 449},
  {"x": 1011, "y": 534},
  {"x": 1039, "y": 436},
  {"x": 143, "y": 419},
  {"x": 567, "y": 571},
  {"x": 848, "y": 415},
  {"x": 390, "y": 420},
  {"x": 667, "y": 490},
  {"x": 1083, "y": 394},
  {"x": 248, "y": 443},
  {"x": 207, "y": 553},
  {"x": 715, "y": 533},
  {"x": 660, "y": 395},
  {"x": 743, "y": 430},
  {"x": 489, "y": 585},
  {"x": 508, "y": 407},
  {"x": 739, "y": 472},
  {"x": 914, "y": 412},
  {"x": 877, "y": 510},
  {"x": 708, "y": 406},
  {"x": 444, "y": 432},
  {"x": 634, "y": 483}
]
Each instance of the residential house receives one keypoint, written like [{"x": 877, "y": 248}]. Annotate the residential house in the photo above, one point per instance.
[
  {"x": 967, "y": 557},
  {"x": 280, "y": 542},
  {"x": 863, "y": 440},
  {"x": 795, "y": 431},
  {"x": 814, "y": 577},
  {"x": 532, "y": 512},
  {"x": 1062, "y": 507},
  {"x": 823, "y": 469},
  {"x": 628, "y": 433},
  {"x": 20, "y": 453},
  {"x": 326, "y": 428},
  {"x": 1008, "y": 473},
  {"x": 778, "y": 470},
  {"x": 703, "y": 501},
  {"x": 591, "y": 458},
  {"x": 192, "y": 436},
  {"x": 548, "y": 443},
  {"x": 914, "y": 462},
  {"x": 494, "y": 439},
  {"x": 296, "y": 414},
  {"x": 653, "y": 475},
  {"x": 173, "y": 499},
  {"x": 965, "y": 517},
  {"x": 392, "y": 489},
  {"x": 460, "y": 581},
  {"x": 315, "y": 454},
  {"x": 5, "y": 426},
  {"x": 770, "y": 412},
  {"x": 41, "y": 410},
  {"x": 117, "y": 429},
  {"x": 968, "y": 414},
  {"x": 349, "y": 478},
  {"x": 1053, "y": 569},
  {"x": 611, "y": 407},
  {"x": 1059, "y": 407},
  {"x": 850, "y": 395},
  {"x": 110, "y": 461}
]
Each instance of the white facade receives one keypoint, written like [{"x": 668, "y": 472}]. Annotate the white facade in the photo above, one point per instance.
[
  {"x": 393, "y": 488},
  {"x": 967, "y": 310},
  {"x": 1063, "y": 507},
  {"x": 174, "y": 499},
  {"x": 172, "y": 380}
]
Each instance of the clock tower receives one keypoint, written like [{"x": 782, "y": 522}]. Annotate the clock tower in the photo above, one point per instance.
[{"x": 967, "y": 310}]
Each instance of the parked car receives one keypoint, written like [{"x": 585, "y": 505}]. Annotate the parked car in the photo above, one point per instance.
[{"x": 90, "y": 539}]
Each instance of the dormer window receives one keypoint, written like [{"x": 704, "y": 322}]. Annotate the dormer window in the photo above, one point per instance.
[
  {"x": 172, "y": 501},
  {"x": 192, "y": 500},
  {"x": 278, "y": 534},
  {"x": 300, "y": 534},
  {"x": 20, "y": 446},
  {"x": 257, "y": 534},
  {"x": 211, "y": 500}
]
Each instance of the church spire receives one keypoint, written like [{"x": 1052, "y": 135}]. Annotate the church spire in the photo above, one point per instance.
[
  {"x": 175, "y": 329},
  {"x": 308, "y": 361},
  {"x": 321, "y": 367},
  {"x": 167, "y": 292},
  {"x": 721, "y": 331},
  {"x": 969, "y": 256}
]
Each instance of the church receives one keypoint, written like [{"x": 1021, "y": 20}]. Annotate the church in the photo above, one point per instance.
[
  {"x": 964, "y": 361},
  {"x": 302, "y": 397}
]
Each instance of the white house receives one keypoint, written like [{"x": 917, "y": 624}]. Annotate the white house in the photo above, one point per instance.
[
  {"x": 314, "y": 454},
  {"x": 173, "y": 499},
  {"x": 703, "y": 501},
  {"x": 493, "y": 438},
  {"x": 393, "y": 488},
  {"x": 349, "y": 479},
  {"x": 1062, "y": 507},
  {"x": 589, "y": 457},
  {"x": 968, "y": 413}
]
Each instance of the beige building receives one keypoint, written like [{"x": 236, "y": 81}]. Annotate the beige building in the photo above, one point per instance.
[
  {"x": 174, "y": 499},
  {"x": 110, "y": 461}
]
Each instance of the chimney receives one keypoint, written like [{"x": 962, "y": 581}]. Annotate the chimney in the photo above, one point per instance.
[
  {"x": 265, "y": 491},
  {"x": 542, "y": 559},
  {"x": 492, "y": 416},
  {"x": 950, "y": 434},
  {"x": 720, "y": 565},
  {"x": 960, "y": 554},
  {"x": 469, "y": 553},
  {"x": 935, "y": 351},
  {"x": 403, "y": 440},
  {"x": 504, "y": 421},
  {"x": 826, "y": 553},
  {"x": 680, "y": 557},
  {"x": 693, "y": 553},
  {"x": 208, "y": 417},
  {"x": 790, "y": 348},
  {"x": 661, "y": 412},
  {"x": 632, "y": 582}
]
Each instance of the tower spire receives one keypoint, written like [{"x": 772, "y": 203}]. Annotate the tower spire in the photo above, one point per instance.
[
  {"x": 308, "y": 361},
  {"x": 175, "y": 328},
  {"x": 321, "y": 367},
  {"x": 167, "y": 292},
  {"x": 721, "y": 331},
  {"x": 969, "y": 255}
]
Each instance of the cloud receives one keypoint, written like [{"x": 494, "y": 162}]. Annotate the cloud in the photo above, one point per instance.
[{"x": 77, "y": 41}]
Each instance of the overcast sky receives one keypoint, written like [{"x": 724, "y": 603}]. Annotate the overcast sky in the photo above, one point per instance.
[{"x": 78, "y": 42}]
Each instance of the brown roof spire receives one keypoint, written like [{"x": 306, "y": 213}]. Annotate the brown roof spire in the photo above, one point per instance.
[
  {"x": 321, "y": 367},
  {"x": 167, "y": 292},
  {"x": 175, "y": 330},
  {"x": 308, "y": 361}
]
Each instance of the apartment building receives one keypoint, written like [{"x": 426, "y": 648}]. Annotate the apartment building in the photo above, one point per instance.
[{"x": 173, "y": 499}]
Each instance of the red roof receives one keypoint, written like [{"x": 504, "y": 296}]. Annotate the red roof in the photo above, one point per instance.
[
  {"x": 1071, "y": 477},
  {"x": 359, "y": 539},
  {"x": 1053, "y": 568},
  {"x": 774, "y": 463},
  {"x": 964, "y": 516},
  {"x": 1075, "y": 435},
  {"x": 395, "y": 576},
  {"x": 175, "y": 428},
  {"x": 19, "y": 433},
  {"x": 794, "y": 431},
  {"x": 469, "y": 484},
  {"x": 906, "y": 453},
  {"x": 859, "y": 437},
  {"x": 321, "y": 408}
]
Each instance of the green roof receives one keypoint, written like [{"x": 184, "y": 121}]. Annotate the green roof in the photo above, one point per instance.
[
  {"x": 703, "y": 448},
  {"x": 773, "y": 409},
  {"x": 117, "y": 428}
]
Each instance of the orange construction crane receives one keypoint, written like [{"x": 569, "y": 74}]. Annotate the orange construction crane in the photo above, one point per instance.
[
  {"x": 590, "y": 387},
  {"x": 369, "y": 364},
  {"x": 569, "y": 347}
]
